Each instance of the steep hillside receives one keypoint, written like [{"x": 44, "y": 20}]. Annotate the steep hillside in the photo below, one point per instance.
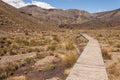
[
  {"x": 110, "y": 17},
  {"x": 57, "y": 16},
  {"x": 12, "y": 20},
  {"x": 108, "y": 14}
]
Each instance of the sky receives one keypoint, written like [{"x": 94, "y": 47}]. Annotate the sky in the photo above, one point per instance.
[{"x": 87, "y": 5}]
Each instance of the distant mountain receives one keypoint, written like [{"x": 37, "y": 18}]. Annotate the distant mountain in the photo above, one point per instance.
[
  {"x": 74, "y": 18},
  {"x": 112, "y": 18},
  {"x": 57, "y": 16},
  {"x": 108, "y": 14},
  {"x": 101, "y": 20}
]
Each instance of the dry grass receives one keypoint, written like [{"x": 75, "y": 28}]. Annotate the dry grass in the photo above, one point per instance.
[
  {"x": 69, "y": 59},
  {"x": 70, "y": 45},
  {"x": 41, "y": 55},
  {"x": 17, "y": 78},
  {"x": 114, "y": 71},
  {"x": 43, "y": 44},
  {"x": 105, "y": 54},
  {"x": 9, "y": 69},
  {"x": 52, "y": 47}
]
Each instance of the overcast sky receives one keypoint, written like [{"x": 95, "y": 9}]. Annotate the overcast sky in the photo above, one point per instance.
[{"x": 88, "y": 5}]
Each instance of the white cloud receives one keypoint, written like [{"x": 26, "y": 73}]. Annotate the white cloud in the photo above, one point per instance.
[
  {"x": 21, "y": 3},
  {"x": 42, "y": 4}
]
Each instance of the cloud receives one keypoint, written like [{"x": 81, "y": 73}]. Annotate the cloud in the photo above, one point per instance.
[
  {"x": 16, "y": 3},
  {"x": 42, "y": 4},
  {"x": 21, "y": 3}
]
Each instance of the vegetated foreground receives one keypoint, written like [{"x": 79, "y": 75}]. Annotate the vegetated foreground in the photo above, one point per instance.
[
  {"x": 110, "y": 46},
  {"x": 44, "y": 55}
]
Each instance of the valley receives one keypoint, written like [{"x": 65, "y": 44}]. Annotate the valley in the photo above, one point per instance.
[{"x": 44, "y": 44}]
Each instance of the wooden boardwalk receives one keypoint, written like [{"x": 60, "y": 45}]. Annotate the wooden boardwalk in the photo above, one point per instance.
[{"x": 90, "y": 65}]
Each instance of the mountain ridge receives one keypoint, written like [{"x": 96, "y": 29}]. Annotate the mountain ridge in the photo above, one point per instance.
[
  {"x": 35, "y": 18},
  {"x": 74, "y": 18}
]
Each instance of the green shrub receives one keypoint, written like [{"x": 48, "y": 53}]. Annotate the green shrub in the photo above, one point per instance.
[
  {"x": 21, "y": 42},
  {"x": 52, "y": 47},
  {"x": 40, "y": 55},
  {"x": 30, "y": 50},
  {"x": 29, "y": 60}
]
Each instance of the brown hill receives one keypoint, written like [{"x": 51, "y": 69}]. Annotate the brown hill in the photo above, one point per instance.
[
  {"x": 102, "y": 20},
  {"x": 73, "y": 18},
  {"x": 108, "y": 14},
  {"x": 112, "y": 18},
  {"x": 57, "y": 16},
  {"x": 12, "y": 20}
]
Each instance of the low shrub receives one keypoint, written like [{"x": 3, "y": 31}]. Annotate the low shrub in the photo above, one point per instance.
[
  {"x": 40, "y": 55},
  {"x": 52, "y": 47},
  {"x": 29, "y": 60},
  {"x": 70, "y": 59},
  {"x": 105, "y": 54},
  {"x": 17, "y": 78},
  {"x": 70, "y": 45}
]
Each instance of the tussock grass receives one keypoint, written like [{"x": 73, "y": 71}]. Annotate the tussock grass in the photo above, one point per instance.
[
  {"x": 43, "y": 44},
  {"x": 70, "y": 59},
  {"x": 117, "y": 45},
  {"x": 17, "y": 78},
  {"x": 41, "y": 55},
  {"x": 70, "y": 46},
  {"x": 114, "y": 71},
  {"x": 51, "y": 47},
  {"x": 105, "y": 54},
  {"x": 29, "y": 60}
]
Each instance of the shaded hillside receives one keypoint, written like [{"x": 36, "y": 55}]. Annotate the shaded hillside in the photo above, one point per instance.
[
  {"x": 57, "y": 16},
  {"x": 108, "y": 14},
  {"x": 110, "y": 17},
  {"x": 12, "y": 20},
  {"x": 102, "y": 20}
]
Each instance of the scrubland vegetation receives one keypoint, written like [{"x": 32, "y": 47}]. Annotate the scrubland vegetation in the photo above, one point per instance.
[
  {"x": 49, "y": 54},
  {"x": 55, "y": 53}
]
